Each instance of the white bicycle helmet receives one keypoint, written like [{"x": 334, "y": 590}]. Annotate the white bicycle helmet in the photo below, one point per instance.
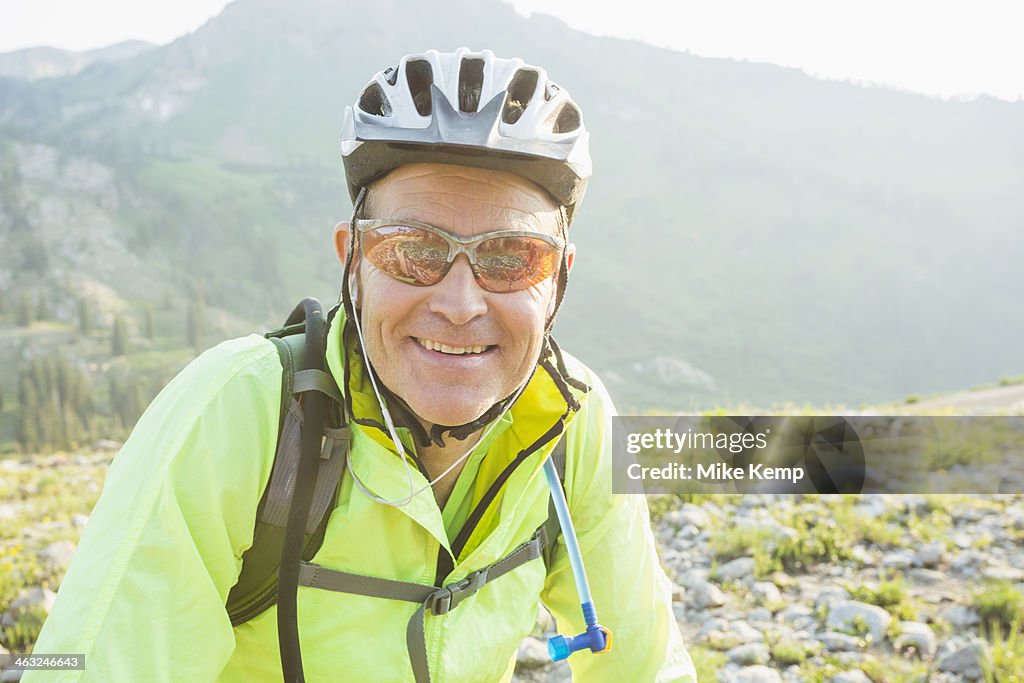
[{"x": 472, "y": 109}]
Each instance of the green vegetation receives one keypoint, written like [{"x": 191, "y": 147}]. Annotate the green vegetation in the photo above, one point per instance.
[
  {"x": 1000, "y": 602},
  {"x": 46, "y": 497},
  {"x": 1006, "y": 663},
  {"x": 118, "y": 338},
  {"x": 55, "y": 404},
  {"x": 888, "y": 594},
  {"x": 788, "y": 652},
  {"x": 707, "y": 662}
]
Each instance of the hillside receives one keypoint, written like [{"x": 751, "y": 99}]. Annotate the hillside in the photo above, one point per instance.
[{"x": 751, "y": 234}]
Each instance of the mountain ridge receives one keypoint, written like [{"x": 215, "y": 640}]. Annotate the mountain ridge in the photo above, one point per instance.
[{"x": 768, "y": 236}]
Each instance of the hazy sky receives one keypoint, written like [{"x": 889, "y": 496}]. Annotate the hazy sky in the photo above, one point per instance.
[{"x": 932, "y": 46}]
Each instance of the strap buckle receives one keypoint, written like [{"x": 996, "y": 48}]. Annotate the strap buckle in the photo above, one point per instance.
[{"x": 445, "y": 599}]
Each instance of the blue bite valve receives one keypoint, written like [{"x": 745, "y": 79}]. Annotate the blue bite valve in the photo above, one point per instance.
[{"x": 596, "y": 639}]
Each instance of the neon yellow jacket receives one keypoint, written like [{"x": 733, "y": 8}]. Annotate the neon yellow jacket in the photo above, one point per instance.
[{"x": 144, "y": 596}]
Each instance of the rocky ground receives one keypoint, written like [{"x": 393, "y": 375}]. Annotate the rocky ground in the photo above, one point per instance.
[{"x": 767, "y": 588}]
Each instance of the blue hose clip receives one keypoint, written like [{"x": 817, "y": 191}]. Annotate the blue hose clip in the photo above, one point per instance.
[{"x": 596, "y": 638}]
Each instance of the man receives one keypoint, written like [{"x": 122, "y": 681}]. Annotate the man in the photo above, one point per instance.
[{"x": 465, "y": 170}]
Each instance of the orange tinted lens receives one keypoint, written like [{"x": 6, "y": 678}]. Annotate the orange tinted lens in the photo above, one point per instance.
[
  {"x": 507, "y": 264},
  {"x": 414, "y": 256}
]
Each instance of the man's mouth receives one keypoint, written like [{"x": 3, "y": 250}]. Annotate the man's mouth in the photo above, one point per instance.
[{"x": 432, "y": 345}]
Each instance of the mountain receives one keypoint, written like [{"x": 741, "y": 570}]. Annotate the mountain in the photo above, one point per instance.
[
  {"x": 751, "y": 235},
  {"x": 34, "y": 63}
]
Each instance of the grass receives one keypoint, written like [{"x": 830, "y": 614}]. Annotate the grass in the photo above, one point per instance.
[
  {"x": 755, "y": 542},
  {"x": 52, "y": 491},
  {"x": 891, "y": 595},
  {"x": 1000, "y": 602},
  {"x": 1006, "y": 663},
  {"x": 707, "y": 662},
  {"x": 789, "y": 652}
]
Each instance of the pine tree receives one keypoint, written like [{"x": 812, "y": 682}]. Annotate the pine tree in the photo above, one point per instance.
[
  {"x": 84, "y": 316},
  {"x": 119, "y": 339},
  {"x": 195, "y": 324},
  {"x": 42, "y": 308},
  {"x": 25, "y": 310}
]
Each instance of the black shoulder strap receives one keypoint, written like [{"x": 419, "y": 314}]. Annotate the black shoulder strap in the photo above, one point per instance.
[
  {"x": 552, "y": 529},
  {"x": 257, "y": 586}
]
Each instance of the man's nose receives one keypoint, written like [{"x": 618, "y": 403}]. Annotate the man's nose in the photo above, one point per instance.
[{"x": 458, "y": 297}]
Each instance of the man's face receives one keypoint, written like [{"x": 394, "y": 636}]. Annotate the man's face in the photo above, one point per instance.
[{"x": 400, "y": 321}]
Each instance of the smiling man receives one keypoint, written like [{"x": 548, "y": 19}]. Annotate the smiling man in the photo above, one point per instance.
[{"x": 437, "y": 547}]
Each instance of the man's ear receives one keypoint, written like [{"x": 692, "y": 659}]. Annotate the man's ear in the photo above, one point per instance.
[{"x": 341, "y": 237}]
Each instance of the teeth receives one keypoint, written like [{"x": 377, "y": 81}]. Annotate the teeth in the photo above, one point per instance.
[{"x": 452, "y": 350}]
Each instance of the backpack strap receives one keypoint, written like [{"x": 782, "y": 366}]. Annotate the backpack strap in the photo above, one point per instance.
[
  {"x": 438, "y": 600},
  {"x": 552, "y": 529},
  {"x": 256, "y": 588}
]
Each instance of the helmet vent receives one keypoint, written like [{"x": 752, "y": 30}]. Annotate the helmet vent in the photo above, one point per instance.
[
  {"x": 520, "y": 91},
  {"x": 391, "y": 74},
  {"x": 471, "y": 82},
  {"x": 374, "y": 101},
  {"x": 420, "y": 76},
  {"x": 568, "y": 119}
]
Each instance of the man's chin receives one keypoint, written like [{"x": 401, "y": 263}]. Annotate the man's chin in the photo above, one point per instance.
[{"x": 448, "y": 410}]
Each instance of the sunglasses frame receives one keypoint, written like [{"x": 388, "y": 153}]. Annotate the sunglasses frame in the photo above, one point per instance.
[{"x": 456, "y": 243}]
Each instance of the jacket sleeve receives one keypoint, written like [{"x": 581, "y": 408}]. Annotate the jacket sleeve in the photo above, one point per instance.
[
  {"x": 143, "y": 598},
  {"x": 631, "y": 593}
]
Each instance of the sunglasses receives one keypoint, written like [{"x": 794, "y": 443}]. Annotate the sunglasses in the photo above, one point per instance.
[{"x": 421, "y": 255}]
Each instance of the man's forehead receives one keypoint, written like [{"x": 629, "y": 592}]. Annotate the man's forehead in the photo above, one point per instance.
[{"x": 455, "y": 194}]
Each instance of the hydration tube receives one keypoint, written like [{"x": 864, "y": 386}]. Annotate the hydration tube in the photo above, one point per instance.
[{"x": 596, "y": 638}]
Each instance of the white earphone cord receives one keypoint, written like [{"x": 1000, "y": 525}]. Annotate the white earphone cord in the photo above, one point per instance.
[{"x": 401, "y": 502}]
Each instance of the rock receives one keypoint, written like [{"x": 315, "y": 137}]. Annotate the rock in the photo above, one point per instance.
[
  {"x": 757, "y": 674},
  {"x": 692, "y": 514},
  {"x": 897, "y": 560},
  {"x": 765, "y": 592},
  {"x": 33, "y": 597},
  {"x": 749, "y": 654},
  {"x": 107, "y": 445},
  {"x": 840, "y": 642},
  {"x": 830, "y": 596},
  {"x": 962, "y": 540},
  {"x": 1003, "y": 573},
  {"x": 845, "y": 615},
  {"x": 58, "y": 554},
  {"x": 855, "y": 676},
  {"x": 713, "y": 624},
  {"x": 759, "y": 615},
  {"x": 926, "y": 576},
  {"x": 737, "y": 570},
  {"x": 532, "y": 654},
  {"x": 965, "y": 661},
  {"x": 930, "y": 554},
  {"x": 960, "y": 617},
  {"x": 743, "y": 633},
  {"x": 862, "y": 555},
  {"x": 916, "y": 635},
  {"x": 8, "y": 510},
  {"x": 678, "y": 593},
  {"x": 545, "y": 622},
  {"x": 79, "y": 520},
  {"x": 706, "y": 595},
  {"x": 796, "y": 615},
  {"x": 691, "y": 578},
  {"x": 10, "y": 676},
  {"x": 28, "y": 599}
]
